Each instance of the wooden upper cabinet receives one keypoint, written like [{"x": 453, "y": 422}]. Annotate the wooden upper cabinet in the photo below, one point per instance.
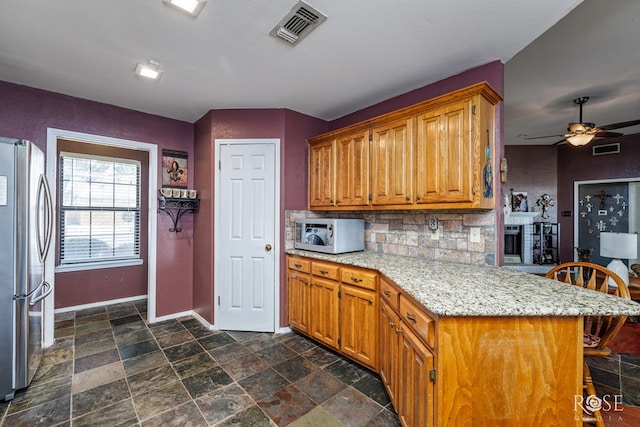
[
  {"x": 444, "y": 154},
  {"x": 321, "y": 174},
  {"x": 392, "y": 163},
  {"x": 352, "y": 169},
  {"x": 437, "y": 154}
]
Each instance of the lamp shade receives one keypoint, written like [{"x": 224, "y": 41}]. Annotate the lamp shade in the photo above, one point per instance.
[{"x": 619, "y": 245}]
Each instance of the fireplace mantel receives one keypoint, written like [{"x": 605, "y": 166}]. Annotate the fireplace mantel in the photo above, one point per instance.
[{"x": 520, "y": 218}]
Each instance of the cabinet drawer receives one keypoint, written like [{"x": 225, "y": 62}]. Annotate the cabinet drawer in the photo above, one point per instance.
[
  {"x": 300, "y": 264},
  {"x": 389, "y": 293},
  {"x": 326, "y": 270},
  {"x": 362, "y": 278},
  {"x": 423, "y": 325}
]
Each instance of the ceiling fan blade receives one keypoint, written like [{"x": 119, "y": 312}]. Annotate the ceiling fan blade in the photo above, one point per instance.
[
  {"x": 620, "y": 125},
  {"x": 560, "y": 142},
  {"x": 542, "y": 137},
  {"x": 601, "y": 134}
]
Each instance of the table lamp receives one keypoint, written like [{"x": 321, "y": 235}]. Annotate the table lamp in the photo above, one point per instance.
[{"x": 619, "y": 246}]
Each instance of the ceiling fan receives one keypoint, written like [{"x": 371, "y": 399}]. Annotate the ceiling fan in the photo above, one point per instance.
[{"x": 583, "y": 132}]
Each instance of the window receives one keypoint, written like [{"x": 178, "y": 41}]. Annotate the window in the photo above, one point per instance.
[{"x": 99, "y": 209}]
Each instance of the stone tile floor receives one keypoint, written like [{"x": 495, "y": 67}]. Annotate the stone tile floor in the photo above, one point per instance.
[{"x": 108, "y": 368}]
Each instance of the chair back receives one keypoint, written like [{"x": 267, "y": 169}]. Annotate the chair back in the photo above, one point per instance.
[{"x": 599, "y": 330}]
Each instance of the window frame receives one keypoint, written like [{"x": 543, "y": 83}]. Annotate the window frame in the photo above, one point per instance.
[{"x": 112, "y": 261}]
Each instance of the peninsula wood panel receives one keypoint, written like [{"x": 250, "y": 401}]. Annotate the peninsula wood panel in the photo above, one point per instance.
[
  {"x": 389, "y": 345},
  {"x": 523, "y": 371}
]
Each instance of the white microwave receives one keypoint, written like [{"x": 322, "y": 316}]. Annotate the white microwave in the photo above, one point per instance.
[{"x": 332, "y": 236}]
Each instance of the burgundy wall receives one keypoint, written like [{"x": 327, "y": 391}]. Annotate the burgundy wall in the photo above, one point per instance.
[
  {"x": 578, "y": 164},
  {"x": 534, "y": 169},
  {"x": 492, "y": 73},
  {"x": 291, "y": 128},
  {"x": 27, "y": 112}
]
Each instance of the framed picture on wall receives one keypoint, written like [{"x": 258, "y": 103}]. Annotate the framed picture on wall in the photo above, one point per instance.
[
  {"x": 519, "y": 202},
  {"x": 174, "y": 169}
]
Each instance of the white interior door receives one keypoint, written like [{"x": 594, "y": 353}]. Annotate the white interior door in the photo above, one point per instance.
[{"x": 246, "y": 253}]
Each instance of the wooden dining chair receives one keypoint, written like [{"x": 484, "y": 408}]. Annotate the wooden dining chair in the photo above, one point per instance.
[{"x": 598, "y": 330}]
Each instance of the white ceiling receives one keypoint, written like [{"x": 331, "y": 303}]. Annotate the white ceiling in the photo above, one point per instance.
[
  {"x": 594, "y": 51},
  {"x": 365, "y": 52}
]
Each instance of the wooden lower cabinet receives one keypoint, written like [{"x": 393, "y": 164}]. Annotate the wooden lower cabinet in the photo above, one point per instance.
[
  {"x": 519, "y": 371},
  {"x": 406, "y": 366},
  {"x": 358, "y": 325},
  {"x": 389, "y": 350},
  {"x": 340, "y": 315},
  {"x": 298, "y": 292},
  {"x": 325, "y": 312},
  {"x": 415, "y": 394}
]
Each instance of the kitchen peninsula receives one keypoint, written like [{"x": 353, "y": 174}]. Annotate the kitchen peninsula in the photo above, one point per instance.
[{"x": 456, "y": 343}]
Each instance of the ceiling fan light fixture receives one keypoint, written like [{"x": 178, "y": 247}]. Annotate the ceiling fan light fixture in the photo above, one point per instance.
[{"x": 580, "y": 139}]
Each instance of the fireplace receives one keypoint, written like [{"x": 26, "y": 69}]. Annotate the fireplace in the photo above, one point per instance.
[{"x": 513, "y": 244}]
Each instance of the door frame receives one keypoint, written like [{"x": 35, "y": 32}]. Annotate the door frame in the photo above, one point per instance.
[
  {"x": 633, "y": 203},
  {"x": 53, "y": 135},
  {"x": 277, "y": 218}
]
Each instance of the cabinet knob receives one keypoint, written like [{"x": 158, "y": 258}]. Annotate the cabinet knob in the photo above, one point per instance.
[
  {"x": 418, "y": 197},
  {"x": 408, "y": 198},
  {"x": 398, "y": 330}
]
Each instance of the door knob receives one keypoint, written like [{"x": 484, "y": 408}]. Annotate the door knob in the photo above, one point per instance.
[{"x": 267, "y": 247}]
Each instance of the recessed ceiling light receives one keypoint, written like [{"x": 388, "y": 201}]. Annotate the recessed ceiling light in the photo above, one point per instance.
[
  {"x": 192, "y": 7},
  {"x": 149, "y": 71}
]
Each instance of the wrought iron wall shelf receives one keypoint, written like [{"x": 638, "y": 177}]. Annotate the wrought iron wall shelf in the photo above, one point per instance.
[{"x": 176, "y": 207}]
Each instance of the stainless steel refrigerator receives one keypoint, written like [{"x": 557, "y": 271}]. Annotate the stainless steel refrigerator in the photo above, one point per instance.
[{"x": 26, "y": 221}]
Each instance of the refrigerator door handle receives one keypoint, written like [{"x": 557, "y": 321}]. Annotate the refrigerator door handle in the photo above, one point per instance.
[
  {"x": 44, "y": 241},
  {"x": 47, "y": 290}
]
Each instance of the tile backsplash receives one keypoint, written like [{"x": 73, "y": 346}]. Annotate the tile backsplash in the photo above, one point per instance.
[{"x": 468, "y": 237}]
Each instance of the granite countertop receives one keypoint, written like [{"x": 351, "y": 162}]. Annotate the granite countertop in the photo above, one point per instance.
[{"x": 452, "y": 289}]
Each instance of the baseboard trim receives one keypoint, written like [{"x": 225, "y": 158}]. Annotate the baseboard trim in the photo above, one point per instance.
[{"x": 99, "y": 304}]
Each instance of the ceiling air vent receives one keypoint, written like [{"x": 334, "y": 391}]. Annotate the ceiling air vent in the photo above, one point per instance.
[
  {"x": 599, "y": 150},
  {"x": 299, "y": 22}
]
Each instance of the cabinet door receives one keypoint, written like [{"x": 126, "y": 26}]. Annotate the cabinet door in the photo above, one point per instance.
[
  {"x": 298, "y": 285},
  {"x": 324, "y": 313},
  {"x": 444, "y": 155},
  {"x": 352, "y": 170},
  {"x": 389, "y": 345},
  {"x": 321, "y": 174},
  {"x": 415, "y": 388},
  {"x": 392, "y": 163},
  {"x": 358, "y": 325}
]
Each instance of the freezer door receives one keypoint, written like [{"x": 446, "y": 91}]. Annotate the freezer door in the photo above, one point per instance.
[{"x": 7, "y": 265}]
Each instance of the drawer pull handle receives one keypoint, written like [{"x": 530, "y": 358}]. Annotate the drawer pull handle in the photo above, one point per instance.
[
  {"x": 387, "y": 293},
  {"x": 297, "y": 265},
  {"x": 356, "y": 280},
  {"x": 411, "y": 317},
  {"x": 324, "y": 272}
]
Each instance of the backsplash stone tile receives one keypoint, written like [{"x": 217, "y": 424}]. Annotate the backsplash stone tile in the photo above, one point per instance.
[{"x": 407, "y": 233}]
